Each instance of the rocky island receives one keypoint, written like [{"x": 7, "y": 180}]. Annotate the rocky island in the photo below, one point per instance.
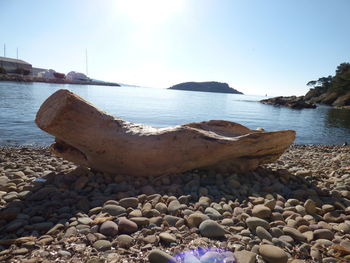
[
  {"x": 209, "y": 86},
  {"x": 331, "y": 90}
]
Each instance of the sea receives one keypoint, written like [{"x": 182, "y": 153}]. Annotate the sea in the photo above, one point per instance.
[{"x": 157, "y": 107}]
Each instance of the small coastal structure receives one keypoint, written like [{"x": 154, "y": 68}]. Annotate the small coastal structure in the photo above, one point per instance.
[
  {"x": 48, "y": 73},
  {"x": 36, "y": 71},
  {"x": 16, "y": 66},
  {"x": 77, "y": 76},
  {"x": 59, "y": 75}
]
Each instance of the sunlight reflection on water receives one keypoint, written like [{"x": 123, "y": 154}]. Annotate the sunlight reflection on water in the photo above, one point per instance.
[{"x": 161, "y": 108}]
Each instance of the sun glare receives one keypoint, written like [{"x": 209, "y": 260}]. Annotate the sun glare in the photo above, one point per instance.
[{"x": 148, "y": 11}]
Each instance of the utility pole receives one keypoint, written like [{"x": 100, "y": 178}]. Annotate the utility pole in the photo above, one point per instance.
[
  {"x": 86, "y": 61},
  {"x": 17, "y": 53},
  {"x": 4, "y": 50}
]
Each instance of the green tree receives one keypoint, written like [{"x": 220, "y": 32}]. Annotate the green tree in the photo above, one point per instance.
[
  {"x": 312, "y": 83},
  {"x": 341, "y": 82},
  {"x": 342, "y": 68}
]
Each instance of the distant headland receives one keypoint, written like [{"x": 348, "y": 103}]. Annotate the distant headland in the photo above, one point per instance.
[
  {"x": 209, "y": 86},
  {"x": 331, "y": 90},
  {"x": 22, "y": 71}
]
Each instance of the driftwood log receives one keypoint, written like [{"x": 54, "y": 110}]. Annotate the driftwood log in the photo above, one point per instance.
[{"x": 90, "y": 137}]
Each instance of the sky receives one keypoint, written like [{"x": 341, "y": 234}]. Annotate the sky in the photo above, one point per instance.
[{"x": 258, "y": 47}]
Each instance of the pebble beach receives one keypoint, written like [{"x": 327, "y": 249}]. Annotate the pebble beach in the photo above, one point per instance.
[{"x": 294, "y": 210}]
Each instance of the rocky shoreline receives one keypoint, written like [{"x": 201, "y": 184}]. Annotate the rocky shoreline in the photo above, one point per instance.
[
  {"x": 293, "y": 102},
  {"x": 294, "y": 210}
]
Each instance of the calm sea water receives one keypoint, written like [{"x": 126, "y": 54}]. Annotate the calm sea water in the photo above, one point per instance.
[{"x": 161, "y": 107}]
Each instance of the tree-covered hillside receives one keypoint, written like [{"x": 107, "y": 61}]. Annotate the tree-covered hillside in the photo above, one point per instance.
[{"x": 331, "y": 90}]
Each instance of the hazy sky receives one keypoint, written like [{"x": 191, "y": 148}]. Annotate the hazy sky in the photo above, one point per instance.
[{"x": 256, "y": 46}]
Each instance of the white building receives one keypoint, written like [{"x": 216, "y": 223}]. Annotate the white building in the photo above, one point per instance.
[
  {"x": 73, "y": 75},
  {"x": 47, "y": 74}
]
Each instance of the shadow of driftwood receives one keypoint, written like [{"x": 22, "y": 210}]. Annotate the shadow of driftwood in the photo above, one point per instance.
[{"x": 54, "y": 201}]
